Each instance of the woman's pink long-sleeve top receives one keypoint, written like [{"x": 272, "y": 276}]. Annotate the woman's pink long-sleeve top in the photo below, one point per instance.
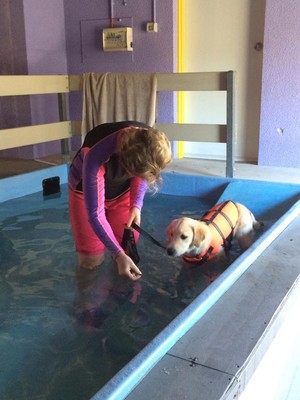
[{"x": 97, "y": 174}]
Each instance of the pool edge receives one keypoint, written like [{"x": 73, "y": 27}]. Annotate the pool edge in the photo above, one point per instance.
[{"x": 28, "y": 183}]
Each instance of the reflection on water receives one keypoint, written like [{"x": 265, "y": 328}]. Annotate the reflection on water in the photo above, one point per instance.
[{"x": 64, "y": 332}]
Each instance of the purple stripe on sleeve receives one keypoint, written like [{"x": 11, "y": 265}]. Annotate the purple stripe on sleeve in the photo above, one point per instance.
[
  {"x": 138, "y": 187},
  {"x": 94, "y": 190}
]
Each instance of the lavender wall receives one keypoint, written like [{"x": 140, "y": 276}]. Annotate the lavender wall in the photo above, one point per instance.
[
  {"x": 280, "y": 107},
  {"x": 46, "y": 54},
  {"x": 45, "y": 36},
  {"x": 14, "y": 111},
  {"x": 65, "y": 36},
  {"x": 152, "y": 52}
]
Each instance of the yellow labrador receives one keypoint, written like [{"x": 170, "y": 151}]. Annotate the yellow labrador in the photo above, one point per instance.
[{"x": 201, "y": 240}]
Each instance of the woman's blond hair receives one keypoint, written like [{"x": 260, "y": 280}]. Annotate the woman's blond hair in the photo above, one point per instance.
[{"x": 145, "y": 152}]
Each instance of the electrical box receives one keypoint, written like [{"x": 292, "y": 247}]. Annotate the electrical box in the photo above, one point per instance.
[
  {"x": 152, "y": 27},
  {"x": 117, "y": 39}
]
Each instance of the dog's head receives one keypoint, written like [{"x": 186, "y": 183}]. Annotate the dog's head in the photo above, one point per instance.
[{"x": 187, "y": 236}]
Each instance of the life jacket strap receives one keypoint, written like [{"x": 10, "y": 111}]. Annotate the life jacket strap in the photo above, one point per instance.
[
  {"x": 216, "y": 212},
  {"x": 196, "y": 261}
]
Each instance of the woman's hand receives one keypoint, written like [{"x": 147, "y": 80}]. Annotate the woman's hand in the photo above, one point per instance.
[
  {"x": 126, "y": 267},
  {"x": 134, "y": 216}
]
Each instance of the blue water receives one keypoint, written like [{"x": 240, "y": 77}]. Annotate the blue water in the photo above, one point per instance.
[{"x": 65, "y": 332}]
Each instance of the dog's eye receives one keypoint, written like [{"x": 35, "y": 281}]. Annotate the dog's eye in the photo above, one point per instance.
[{"x": 183, "y": 237}]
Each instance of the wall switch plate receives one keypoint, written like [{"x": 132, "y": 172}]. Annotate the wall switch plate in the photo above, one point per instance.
[{"x": 152, "y": 27}]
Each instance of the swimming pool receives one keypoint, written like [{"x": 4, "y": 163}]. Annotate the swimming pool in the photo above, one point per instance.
[{"x": 77, "y": 332}]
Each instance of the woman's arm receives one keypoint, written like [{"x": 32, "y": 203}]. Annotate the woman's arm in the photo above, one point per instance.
[
  {"x": 94, "y": 191},
  {"x": 94, "y": 194}
]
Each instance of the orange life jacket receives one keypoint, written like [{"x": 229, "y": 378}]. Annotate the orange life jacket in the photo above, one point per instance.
[{"x": 221, "y": 220}]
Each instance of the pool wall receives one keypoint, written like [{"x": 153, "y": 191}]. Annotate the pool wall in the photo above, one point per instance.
[
  {"x": 273, "y": 201},
  {"x": 265, "y": 199},
  {"x": 24, "y": 184}
]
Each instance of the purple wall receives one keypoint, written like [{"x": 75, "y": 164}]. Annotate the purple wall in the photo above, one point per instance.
[
  {"x": 152, "y": 52},
  {"x": 65, "y": 36},
  {"x": 279, "y": 143},
  {"x": 45, "y": 36},
  {"x": 44, "y": 50},
  {"x": 15, "y": 110},
  {"x": 46, "y": 54}
]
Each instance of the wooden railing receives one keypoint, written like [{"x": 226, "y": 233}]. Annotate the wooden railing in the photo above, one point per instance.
[{"x": 64, "y": 129}]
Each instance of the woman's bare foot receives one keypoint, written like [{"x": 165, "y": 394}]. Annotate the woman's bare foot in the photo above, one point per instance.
[{"x": 90, "y": 262}]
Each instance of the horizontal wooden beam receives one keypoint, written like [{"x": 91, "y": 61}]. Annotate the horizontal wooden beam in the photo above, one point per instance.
[
  {"x": 194, "y": 132},
  {"x": 174, "y": 82},
  {"x": 14, "y": 85},
  {"x": 27, "y": 135},
  {"x": 17, "y": 85},
  {"x": 192, "y": 81}
]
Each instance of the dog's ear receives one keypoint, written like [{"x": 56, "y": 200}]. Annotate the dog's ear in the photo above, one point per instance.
[
  {"x": 170, "y": 226},
  {"x": 199, "y": 235}
]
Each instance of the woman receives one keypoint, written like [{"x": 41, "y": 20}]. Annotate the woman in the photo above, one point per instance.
[{"x": 108, "y": 179}]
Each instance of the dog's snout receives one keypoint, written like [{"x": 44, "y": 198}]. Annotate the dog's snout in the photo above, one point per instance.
[{"x": 171, "y": 251}]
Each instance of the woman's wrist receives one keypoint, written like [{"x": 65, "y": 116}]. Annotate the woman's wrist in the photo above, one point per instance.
[{"x": 120, "y": 253}]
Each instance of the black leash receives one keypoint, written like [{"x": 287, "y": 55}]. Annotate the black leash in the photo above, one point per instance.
[
  {"x": 147, "y": 235},
  {"x": 129, "y": 246},
  {"x": 128, "y": 242}
]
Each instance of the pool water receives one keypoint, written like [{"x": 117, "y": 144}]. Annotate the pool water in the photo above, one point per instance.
[{"x": 65, "y": 332}]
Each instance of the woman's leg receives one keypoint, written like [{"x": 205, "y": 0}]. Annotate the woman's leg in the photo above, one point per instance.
[{"x": 89, "y": 248}]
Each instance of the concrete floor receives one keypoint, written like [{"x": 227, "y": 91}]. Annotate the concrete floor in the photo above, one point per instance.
[{"x": 252, "y": 330}]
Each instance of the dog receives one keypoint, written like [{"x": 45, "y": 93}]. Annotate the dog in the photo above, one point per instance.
[{"x": 203, "y": 240}]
